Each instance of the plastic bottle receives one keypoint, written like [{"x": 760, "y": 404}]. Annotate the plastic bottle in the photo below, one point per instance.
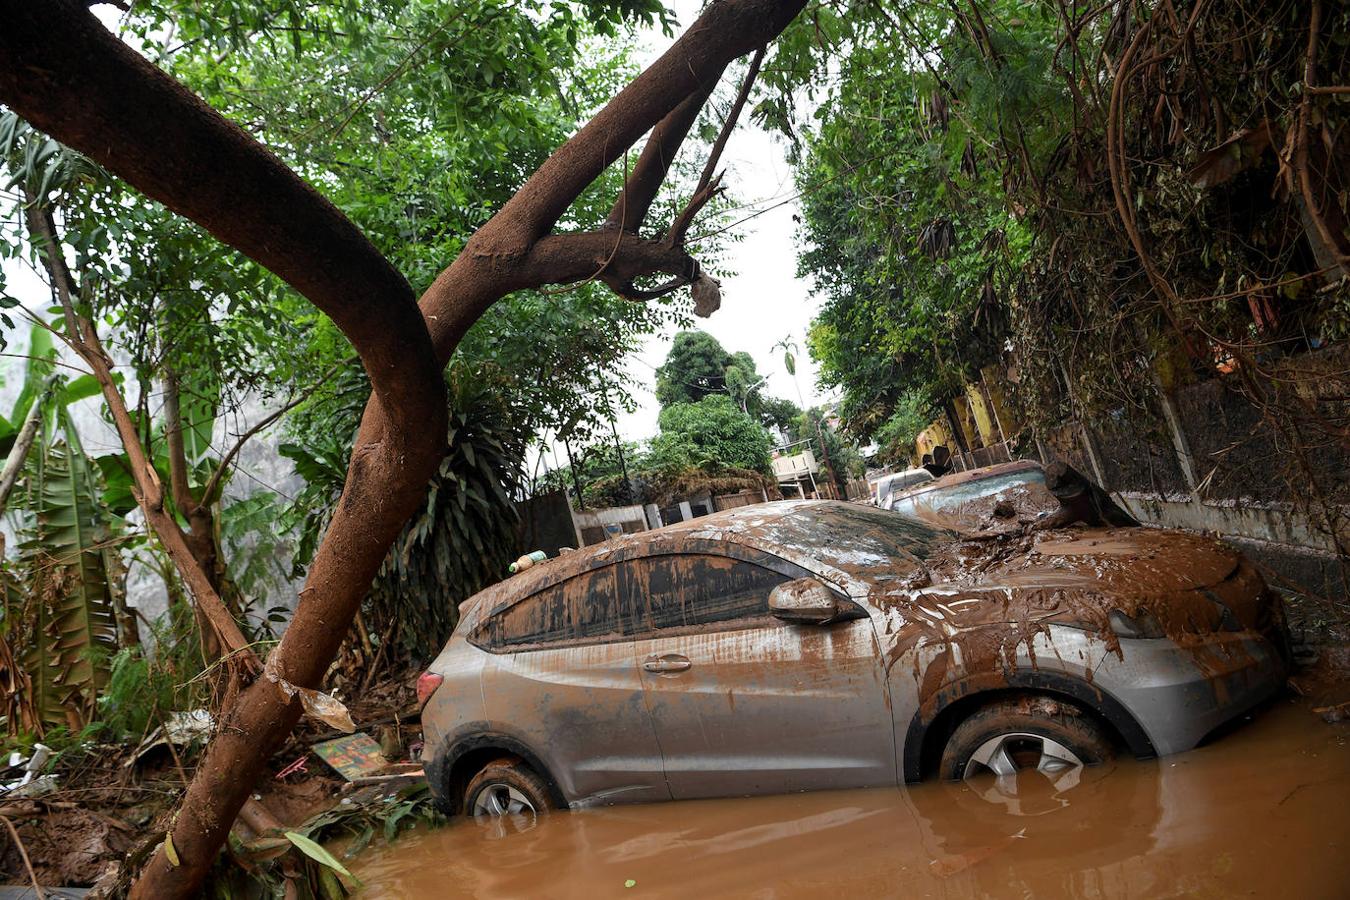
[{"x": 526, "y": 561}]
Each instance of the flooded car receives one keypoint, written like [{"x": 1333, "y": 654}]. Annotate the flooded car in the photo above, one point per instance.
[
  {"x": 967, "y": 500},
  {"x": 810, "y": 645}
]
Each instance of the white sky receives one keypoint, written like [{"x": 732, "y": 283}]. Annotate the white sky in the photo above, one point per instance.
[{"x": 764, "y": 301}]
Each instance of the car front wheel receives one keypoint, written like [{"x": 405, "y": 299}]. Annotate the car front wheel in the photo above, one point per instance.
[
  {"x": 507, "y": 787},
  {"x": 1029, "y": 732}
]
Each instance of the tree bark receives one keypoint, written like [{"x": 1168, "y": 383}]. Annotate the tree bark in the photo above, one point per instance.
[
  {"x": 644, "y": 182},
  {"x": 63, "y": 72},
  {"x": 200, "y": 534}
]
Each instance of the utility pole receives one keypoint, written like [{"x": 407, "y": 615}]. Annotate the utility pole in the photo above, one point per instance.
[
  {"x": 824, "y": 452},
  {"x": 745, "y": 398},
  {"x": 618, "y": 445}
]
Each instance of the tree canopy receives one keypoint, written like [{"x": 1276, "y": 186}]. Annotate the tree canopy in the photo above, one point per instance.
[
  {"x": 712, "y": 433},
  {"x": 984, "y": 186}
]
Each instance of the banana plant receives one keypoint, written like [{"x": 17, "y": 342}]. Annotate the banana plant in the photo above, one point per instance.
[
  {"x": 72, "y": 575},
  {"x": 59, "y": 623}
]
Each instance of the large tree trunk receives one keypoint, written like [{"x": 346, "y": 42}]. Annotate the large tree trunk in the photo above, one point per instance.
[{"x": 63, "y": 72}]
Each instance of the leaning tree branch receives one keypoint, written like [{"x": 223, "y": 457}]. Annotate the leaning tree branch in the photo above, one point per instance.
[
  {"x": 486, "y": 269},
  {"x": 613, "y": 259},
  {"x": 658, "y": 154},
  {"x": 147, "y": 489},
  {"x": 680, "y": 227},
  {"x": 709, "y": 185},
  {"x": 724, "y": 32},
  {"x": 715, "y": 154}
]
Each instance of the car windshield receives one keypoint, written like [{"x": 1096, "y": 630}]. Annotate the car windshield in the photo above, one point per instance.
[
  {"x": 848, "y": 535},
  {"x": 954, "y": 496},
  {"x": 890, "y": 485}
]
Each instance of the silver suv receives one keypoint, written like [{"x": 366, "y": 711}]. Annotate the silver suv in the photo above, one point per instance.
[{"x": 816, "y": 644}]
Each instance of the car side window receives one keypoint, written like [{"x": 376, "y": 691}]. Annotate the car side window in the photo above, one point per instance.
[
  {"x": 682, "y": 590},
  {"x": 588, "y": 608}
]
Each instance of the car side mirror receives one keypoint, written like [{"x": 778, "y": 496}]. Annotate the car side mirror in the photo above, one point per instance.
[{"x": 803, "y": 601}]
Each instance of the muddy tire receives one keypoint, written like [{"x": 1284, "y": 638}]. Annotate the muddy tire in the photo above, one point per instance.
[
  {"x": 507, "y": 786},
  {"x": 1024, "y": 732}
]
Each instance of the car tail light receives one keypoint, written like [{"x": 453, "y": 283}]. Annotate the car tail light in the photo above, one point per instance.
[{"x": 427, "y": 683}]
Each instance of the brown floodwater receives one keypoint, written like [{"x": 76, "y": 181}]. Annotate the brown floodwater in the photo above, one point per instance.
[{"x": 1263, "y": 811}]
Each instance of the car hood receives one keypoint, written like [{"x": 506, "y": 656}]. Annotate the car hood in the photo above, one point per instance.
[
  {"x": 1137, "y": 561},
  {"x": 1078, "y": 576}
]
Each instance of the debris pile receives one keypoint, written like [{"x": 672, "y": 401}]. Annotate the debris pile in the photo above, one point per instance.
[{"x": 89, "y": 814}]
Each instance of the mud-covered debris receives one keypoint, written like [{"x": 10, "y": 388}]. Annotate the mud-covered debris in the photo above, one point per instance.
[
  {"x": 1337, "y": 712},
  {"x": 1080, "y": 500},
  {"x": 31, "y": 782},
  {"x": 179, "y": 729},
  {"x": 919, "y": 578}
]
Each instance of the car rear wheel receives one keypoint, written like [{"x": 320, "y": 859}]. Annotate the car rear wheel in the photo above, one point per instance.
[
  {"x": 507, "y": 787},
  {"x": 1041, "y": 733}
]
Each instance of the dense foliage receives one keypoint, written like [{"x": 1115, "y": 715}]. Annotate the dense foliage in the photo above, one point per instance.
[
  {"x": 960, "y": 193},
  {"x": 418, "y": 121},
  {"x": 711, "y": 433}
]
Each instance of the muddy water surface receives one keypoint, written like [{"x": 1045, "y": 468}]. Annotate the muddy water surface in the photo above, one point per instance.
[{"x": 1261, "y": 812}]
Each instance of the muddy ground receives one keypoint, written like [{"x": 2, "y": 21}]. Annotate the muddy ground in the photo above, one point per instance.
[{"x": 1261, "y": 811}]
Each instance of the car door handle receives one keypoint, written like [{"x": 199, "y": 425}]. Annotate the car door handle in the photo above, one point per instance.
[{"x": 671, "y": 662}]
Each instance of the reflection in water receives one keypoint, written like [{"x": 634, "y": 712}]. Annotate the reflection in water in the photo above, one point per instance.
[{"x": 1263, "y": 812}]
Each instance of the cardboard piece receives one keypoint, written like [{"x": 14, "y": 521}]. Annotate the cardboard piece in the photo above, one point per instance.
[{"x": 353, "y": 756}]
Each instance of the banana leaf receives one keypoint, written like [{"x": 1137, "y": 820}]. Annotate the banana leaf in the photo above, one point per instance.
[{"x": 72, "y": 576}]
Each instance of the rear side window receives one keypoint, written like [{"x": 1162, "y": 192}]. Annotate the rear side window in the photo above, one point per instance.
[
  {"x": 691, "y": 589},
  {"x": 588, "y": 608}
]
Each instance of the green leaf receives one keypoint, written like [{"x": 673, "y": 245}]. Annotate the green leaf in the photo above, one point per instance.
[
  {"x": 317, "y": 853},
  {"x": 71, "y": 569},
  {"x": 82, "y": 388}
]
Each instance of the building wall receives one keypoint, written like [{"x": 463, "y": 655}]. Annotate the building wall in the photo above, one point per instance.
[
  {"x": 598, "y": 525},
  {"x": 546, "y": 523}
]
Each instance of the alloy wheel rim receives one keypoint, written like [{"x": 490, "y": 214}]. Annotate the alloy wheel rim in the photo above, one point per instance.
[
  {"x": 497, "y": 800},
  {"x": 997, "y": 755},
  {"x": 1000, "y": 756}
]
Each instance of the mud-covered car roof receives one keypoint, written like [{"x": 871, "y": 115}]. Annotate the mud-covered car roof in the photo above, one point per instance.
[{"x": 841, "y": 541}]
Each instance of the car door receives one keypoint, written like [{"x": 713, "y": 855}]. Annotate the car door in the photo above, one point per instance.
[
  {"x": 744, "y": 703},
  {"x": 563, "y": 682}
]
